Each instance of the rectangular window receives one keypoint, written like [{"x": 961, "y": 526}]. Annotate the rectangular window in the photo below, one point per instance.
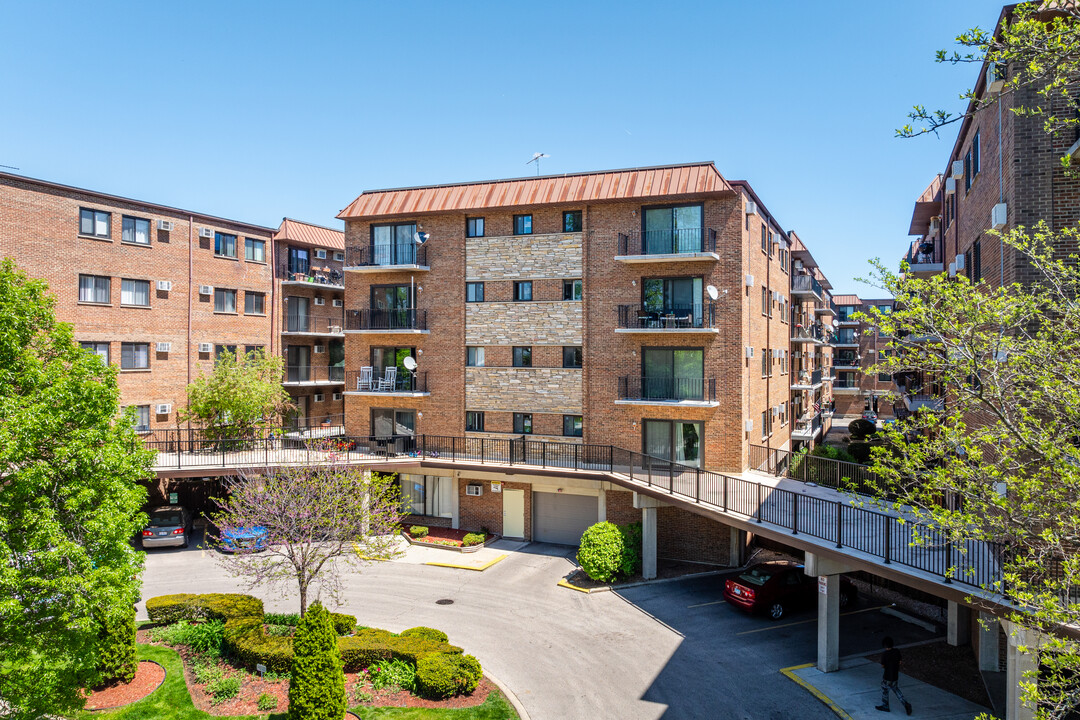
[
  {"x": 976, "y": 154},
  {"x": 976, "y": 261},
  {"x": 571, "y": 221},
  {"x": 571, "y": 356},
  {"x": 474, "y": 227},
  {"x": 571, "y": 425},
  {"x": 248, "y": 349},
  {"x": 393, "y": 244},
  {"x": 98, "y": 348},
  {"x": 673, "y": 373},
  {"x": 135, "y": 292},
  {"x": 523, "y": 357},
  {"x": 142, "y": 417},
  {"x": 224, "y": 245},
  {"x": 764, "y": 301},
  {"x": 135, "y": 230},
  {"x": 764, "y": 362},
  {"x": 474, "y": 357},
  {"x": 224, "y": 300},
  {"x": 221, "y": 351},
  {"x": 474, "y": 421},
  {"x": 134, "y": 356},
  {"x": 523, "y": 290},
  {"x": 254, "y": 303},
  {"x": 523, "y": 423},
  {"x": 680, "y": 298},
  {"x": 254, "y": 250},
  {"x": 95, "y": 288},
  {"x": 764, "y": 239},
  {"x": 967, "y": 171},
  {"x": 764, "y": 424},
  {"x": 673, "y": 230},
  {"x": 95, "y": 223},
  {"x": 571, "y": 290},
  {"x": 427, "y": 495},
  {"x": 523, "y": 224},
  {"x": 299, "y": 263},
  {"x": 673, "y": 440},
  {"x": 474, "y": 292}
]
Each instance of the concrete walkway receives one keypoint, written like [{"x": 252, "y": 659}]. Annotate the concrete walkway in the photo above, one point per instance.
[{"x": 854, "y": 690}]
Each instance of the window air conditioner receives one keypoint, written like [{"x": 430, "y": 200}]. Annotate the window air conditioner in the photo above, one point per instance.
[
  {"x": 165, "y": 225},
  {"x": 776, "y": 411},
  {"x": 320, "y": 254},
  {"x": 776, "y": 238},
  {"x": 206, "y": 233},
  {"x": 749, "y": 351},
  {"x": 320, "y": 301},
  {"x": 320, "y": 349},
  {"x": 338, "y": 302},
  {"x": 950, "y": 186},
  {"x": 318, "y": 397},
  {"x": 164, "y": 408},
  {"x": 952, "y": 269},
  {"x": 339, "y": 256},
  {"x": 474, "y": 490},
  {"x": 164, "y": 285},
  {"x": 960, "y": 262},
  {"x": 751, "y": 207},
  {"x": 164, "y": 347},
  {"x": 749, "y": 280},
  {"x": 999, "y": 216},
  {"x": 935, "y": 224},
  {"x": 338, "y": 396},
  {"x": 995, "y": 77},
  {"x": 957, "y": 169},
  {"x": 206, "y": 289},
  {"x": 206, "y": 347},
  {"x": 748, "y": 425}
]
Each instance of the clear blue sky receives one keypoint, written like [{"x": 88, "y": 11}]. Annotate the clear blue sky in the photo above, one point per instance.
[{"x": 255, "y": 110}]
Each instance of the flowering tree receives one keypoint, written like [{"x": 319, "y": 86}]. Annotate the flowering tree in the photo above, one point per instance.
[{"x": 314, "y": 520}]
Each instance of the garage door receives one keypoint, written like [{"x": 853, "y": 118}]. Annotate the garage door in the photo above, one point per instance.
[{"x": 561, "y": 518}]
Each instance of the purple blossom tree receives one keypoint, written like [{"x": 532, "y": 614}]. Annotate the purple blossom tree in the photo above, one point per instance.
[{"x": 316, "y": 521}]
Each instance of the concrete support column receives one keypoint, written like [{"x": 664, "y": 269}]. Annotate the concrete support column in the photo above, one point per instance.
[
  {"x": 989, "y": 642},
  {"x": 1021, "y": 662},
  {"x": 648, "y": 542},
  {"x": 959, "y": 632},
  {"x": 737, "y": 548},
  {"x": 601, "y": 505},
  {"x": 455, "y": 509},
  {"x": 828, "y": 623}
]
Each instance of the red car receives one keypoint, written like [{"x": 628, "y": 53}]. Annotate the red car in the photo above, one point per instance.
[{"x": 778, "y": 587}]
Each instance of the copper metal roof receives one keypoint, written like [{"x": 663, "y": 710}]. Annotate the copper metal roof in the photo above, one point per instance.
[
  {"x": 927, "y": 206},
  {"x": 650, "y": 182},
  {"x": 847, "y": 300},
  {"x": 308, "y": 234}
]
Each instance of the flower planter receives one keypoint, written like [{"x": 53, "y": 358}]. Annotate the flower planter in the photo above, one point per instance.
[{"x": 472, "y": 548}]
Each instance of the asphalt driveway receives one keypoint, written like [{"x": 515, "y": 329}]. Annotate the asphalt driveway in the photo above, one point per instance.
[{"x": 672, "y": 651}]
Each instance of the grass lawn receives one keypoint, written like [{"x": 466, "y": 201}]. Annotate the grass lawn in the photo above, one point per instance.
[{"x": 494, "y": 708}]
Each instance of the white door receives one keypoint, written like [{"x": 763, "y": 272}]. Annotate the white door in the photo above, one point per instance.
[{"x": 513, "y": 513}]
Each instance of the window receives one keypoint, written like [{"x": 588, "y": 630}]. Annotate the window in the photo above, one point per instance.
[
  {"x": 135, "y": 292},
  {"x": 976, "y": 261},
  {"x": 474, "y": 227},
  {"x": 783, "y": 259},
  {"x": 95, "y": 223},
  {"x": 94, "y": 288},
  {"x": 141, "y": 417},
  {"x": 135, "y": 230},
  {"x": 523, "y": 224},
  {"x": 101, "y": 349},
  {"x": 248, "y": 349},
  {"x": 474, "y": 292},
  {"x": 764, "y": 362},
  {"x": 224, "y": 245},
  {"x": 254, "y": 250},
  {"x": 393, "y": 244},
  {"x": 523, "y": 357},
  {"x": 674, "y": 296},
  {"x": 886, "y": 309},
  {"x": 224, "y": 300},
  {"x": 764, "y": 424},
  {"x": 393, "y": 357},
  {"x": 571, "y": 356},
  {"x": 571, "y": 290},
  {"x": 474, "y": 421},
  {"x": 474, "y": 357},
  {"x": 571, "y": 425},
  {"x": 673, "y": 440},
  {"x": 134, "y": 356},
  {"x": 764, "y": 239},
  {"x": 427, "y": 495},
  {"x": 254, "y": 303},
  {"x": 523, "y": 290},
  {"x": 523, "y": 423},
  {"x": 764, "y": 301},
  {"x": 571, "y": 221},
  {"x": 976, "y": 154},
  {"x": 299, "y": 262},
  {"x": 673, "y": 229},
  {"x": 221, "y": 351},
  {"x": 673, "y": 373},
  {"x": 783, "y": 362}
]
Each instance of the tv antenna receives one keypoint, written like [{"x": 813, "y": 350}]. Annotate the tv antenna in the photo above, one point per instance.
[
  {"x": 12, "y": 167},
  {"x": 536, "y": 159}
]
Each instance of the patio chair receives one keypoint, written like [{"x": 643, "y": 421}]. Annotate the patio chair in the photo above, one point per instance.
[
  {"x": 387, "y": 384},
  {"x": 364, "y": 381}
]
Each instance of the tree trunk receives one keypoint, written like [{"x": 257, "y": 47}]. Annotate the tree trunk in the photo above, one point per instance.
[{"x": 303, "y": 598}]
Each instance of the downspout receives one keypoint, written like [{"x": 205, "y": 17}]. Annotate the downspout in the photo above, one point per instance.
[
  {"x": 191, "y": 278},
  {"x": 273, "y": 293}
]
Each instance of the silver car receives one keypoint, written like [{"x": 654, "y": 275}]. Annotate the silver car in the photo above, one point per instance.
[{"x": 169, "y": 526}]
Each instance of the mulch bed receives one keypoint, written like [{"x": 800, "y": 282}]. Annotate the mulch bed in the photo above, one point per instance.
[
  {"x": 147, "y": 679},
  {"x": 403, "y": 698},
  {"x": 948, "y": 668},
  {"x": 664, "y": 569},
  {"x": 447, "y": 535}
]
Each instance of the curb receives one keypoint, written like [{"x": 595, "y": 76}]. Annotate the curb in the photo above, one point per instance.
[
  {"x": 480, "y": 568},
  {"x": 523, "y": 714},
  {"x": 607, "y": 588},
  {"x": 789, "y": 673}
]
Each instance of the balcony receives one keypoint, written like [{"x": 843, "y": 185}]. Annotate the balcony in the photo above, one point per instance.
[
  {"x": 367, "y": 383},
  {"x": 324, "y": 278},
  {"x": 846, "y": 338},
  {"x": 807, "y": 428},
  {"x": 805, "y": 286},
  {"x": 925, "y": 258},
  {"x": 827, "y": 308},
  {"x": 846, "y": 385},
  {"x": 684, "y": 245},
  {"x": 682, "y": 392},
  {"x": 320, "y": 325},
  {"x": 299, "y": 375},
  {"x": 393, "y": 257},
  {"x": 808, "y": 380},
  {"x": 669, "y": 319},
  {"x": 916, "y": 393},
  {"x": 845, "y": 363},
  {"x": 809, "y": 334},
  {"x": 402, "y": 321}
]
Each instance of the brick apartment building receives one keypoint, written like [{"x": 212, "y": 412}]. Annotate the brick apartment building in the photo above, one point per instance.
[{"x": 856, "y": 349}]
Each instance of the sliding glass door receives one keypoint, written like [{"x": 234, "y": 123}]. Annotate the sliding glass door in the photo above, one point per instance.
[{"x": 673, "y": 230}]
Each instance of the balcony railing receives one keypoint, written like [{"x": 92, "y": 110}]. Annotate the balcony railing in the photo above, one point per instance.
[
  {"x": 844, "y": 362},
  {"x": 403, "y": 253},
  {"x": 668, "y": 317},
  {"x": 811, "y": 331},
  {"x": 806, "y": 284},
  {"x": 804, "y": 378},
  {"x": 808, "y": 427},
  {"x": 322, "y": 324},
  {"x": 314, "y": 374},
  {"x": 845, "y": 383},
  {"x": 827, "y": 308},
  {"x": 846, "y": 337},
  {"x": 313, "y": 275},
  {"x": 361, "y": 381},
  {"x": 669, "y": 389},
  {"x": 387, "y": 320},
  {"x": 925, "y": 252},
  {"x": 668, "y": 242}
]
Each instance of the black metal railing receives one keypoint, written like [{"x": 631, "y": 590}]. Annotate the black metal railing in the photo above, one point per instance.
[
  {"x": 846, "y": 337},
  {"x": 806, "y": 283},
  {"x": 300, "y": 374},
  {"x": 667, "y": 317},
  {"x": 399, "y": 253},
  {"x": 394, "y": 319},
  {"x": 632, "y": 387},
  {"x": 805, "y": 378},
  {"x": 365, "y": 381},
  {"x": 827, "y": 308},
  {"x": 845, "y": 382},
  {"x": 314, "y": 276},
  {"x": 314, "y": 323},
  {"x": 925, "y": 252},
  {"x": 839, "y": 361},
  {"x": 667, "y": 242},
  {"x": 809, "y": 331},
  {"x": 808, "y": 426}
]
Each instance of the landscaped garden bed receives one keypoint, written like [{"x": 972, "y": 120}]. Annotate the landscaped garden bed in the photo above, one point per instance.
[
  {"x": 448, "y": 538},
  {"x": 148, "y": 677}
]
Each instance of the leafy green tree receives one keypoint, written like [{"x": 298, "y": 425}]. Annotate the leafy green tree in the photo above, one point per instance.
[
  {"x": 316, "y": 680},
  {"x": 69, "y": 504},
  {"x": 601, "y": 551},
  {"x": 238, "y": 397}
]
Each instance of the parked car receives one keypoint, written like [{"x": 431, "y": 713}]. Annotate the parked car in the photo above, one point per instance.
[
  {"x": 253, "y": 538},
  {"x": 778, "y": 587},
  {"x": 168, "y": 526}
]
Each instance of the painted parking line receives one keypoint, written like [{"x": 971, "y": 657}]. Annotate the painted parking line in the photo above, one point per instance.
[
  {"x": 714, "y": 602},
  {"x": 804, "y": 622}
]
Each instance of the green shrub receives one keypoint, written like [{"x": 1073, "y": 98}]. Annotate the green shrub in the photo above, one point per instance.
[
  {"x": 282, "y": 619},
  {"x": 392, "y": 673},
  {"x": 247, "y": 643},
  {"x": 442, "y": 676},
  {"x": 168, "y": 609},
  {"x": 418, "y": 531},
  {"x": 343, "y": 624},
  {"x": 860, "y": 452},
  {"x": 317, "y": 687},
  {"x": 425, "y": 633},
  {"x": 472, "y": 539},
  {"x": 206, "y": 672},
  {"x": 224, "y": 688},
  {"x": 600, "y": 554},
  {"x": 117, "y": 658},
  {"x": 360, "y": 695},
  {"x": 280, "y": 630},
  {"x": 630, "y": 561},
  {"x": 266, "y": 702}
]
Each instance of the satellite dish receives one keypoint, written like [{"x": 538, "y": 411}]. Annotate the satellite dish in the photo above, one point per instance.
[
  {"x": 420, "y": 237},
  {"x": 713, "y": 292},
  {"x": 410, "y": 363}
]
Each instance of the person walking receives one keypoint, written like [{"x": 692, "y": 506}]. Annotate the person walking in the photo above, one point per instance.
[{"x": 890, "y": 663}]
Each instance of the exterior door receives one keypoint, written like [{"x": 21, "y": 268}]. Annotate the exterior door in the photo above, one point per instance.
[
  {"x": 561, "y": 517},
  {"x": 297, "y": 318},
  {"x": 513, "y": 513},
  {"x": 301, "y": 403}
]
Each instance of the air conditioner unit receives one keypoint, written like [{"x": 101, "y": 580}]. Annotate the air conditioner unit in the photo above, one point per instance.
[
  {"x": 206, "y": 347},
  {"x": 950, "y": 186},
  {"x": 339, "y": 256},
  {"x": 776, "y": 238},
  {"x": 320, "y": 301},
  {"x": 957, "y": 169},
  {"x": 778, "y": 353},
  {"x": 778, "y": 296},
  {"x": 320, "y": 254},
  {"x": 163, "y": 408},
  {"x": 206, "y": 233},
  {"x": 335, "y": 329},
  {"x": 935, "y": 224},
  {"x": 474, "y": 490},
  {"x": 206, "y": 289},
  {"x": 995, "y": 77},
  {"x": 338, "y": 396},
  {"x": 748, "y": 425},
  {"x": 320, "y": 349},
  {"x": 165, "y": 225},
  {"x": 318, "y": 397},
  {"x": 164, "y": 285},
  {"x": 999, "y": 216},
  {"x": 338, "y": 302},
  {"x": 751, "y": 207},
  {"x": 798, "y": 265},
  {"x": 164, "y": 347},
  {"x": 749, "y": 280},
  {"x": 952, "y": 269},
  {"x": 960, "y": 262},
  {"x": 749, "y": 351},
  {"x": 776, "y": 411}
]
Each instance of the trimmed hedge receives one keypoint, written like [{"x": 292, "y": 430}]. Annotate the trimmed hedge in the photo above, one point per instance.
[
  {"x": 426, "y": 633},
  {"x": 418, "y": 531},
  {"x": 442, "y": 676},
  {"x": 343, "y": 624},
  {"x": 317, "y": 684},
  {"x": 117, "y": 658},
  {"x": 601, "y": 551},
  {"x": 471, "y": 539}
]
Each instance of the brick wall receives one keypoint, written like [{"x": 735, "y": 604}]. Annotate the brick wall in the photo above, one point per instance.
[{"x": 486, "y": 511}]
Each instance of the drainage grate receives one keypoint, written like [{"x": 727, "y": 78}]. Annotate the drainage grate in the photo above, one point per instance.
[{"x": 444, "y": 601}]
